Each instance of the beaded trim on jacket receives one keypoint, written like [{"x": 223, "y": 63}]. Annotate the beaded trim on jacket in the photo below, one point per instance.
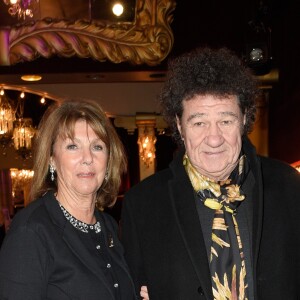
[{"x": 84, "y": 227}]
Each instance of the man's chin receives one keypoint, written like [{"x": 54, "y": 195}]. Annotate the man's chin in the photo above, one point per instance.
[{"x": 216, "y": 173}]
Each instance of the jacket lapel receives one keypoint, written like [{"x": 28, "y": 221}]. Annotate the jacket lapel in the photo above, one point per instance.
[
  {"x": 184, "y": 208},
  {"x": 258, "y": 201},
  {"x": 112, "y": 241},
  {"x": 73, "y": 240}
]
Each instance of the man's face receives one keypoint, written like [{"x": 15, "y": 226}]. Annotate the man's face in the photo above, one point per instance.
[{"x": 211, "y": 128}]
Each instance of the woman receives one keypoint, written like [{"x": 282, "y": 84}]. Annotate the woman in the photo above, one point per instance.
[{"x": 61, "y": 246}]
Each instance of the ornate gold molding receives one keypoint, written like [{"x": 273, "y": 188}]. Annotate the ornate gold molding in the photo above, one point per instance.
[{"x": 148, "y": 40}]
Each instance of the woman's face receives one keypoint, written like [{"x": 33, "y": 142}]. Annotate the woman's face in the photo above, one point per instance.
[{"x": 80, "y": 163}]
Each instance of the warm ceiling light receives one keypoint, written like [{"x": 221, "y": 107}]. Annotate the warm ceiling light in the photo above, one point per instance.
[
  {"x": 118, "y": 9},
  {"x": 31, "y": 77},
  {"x": 43, "y": 100}
]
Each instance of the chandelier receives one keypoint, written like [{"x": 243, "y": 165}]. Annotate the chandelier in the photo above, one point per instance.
[
  {"x": 23, "y": 131},
  {"x": 7, "y": 117},
  {"x": 21, "y": 180},
  {"x": 22, "y": 136},
  {"x": 17, "y": 121},
  {"x": 21, "y": 8}
]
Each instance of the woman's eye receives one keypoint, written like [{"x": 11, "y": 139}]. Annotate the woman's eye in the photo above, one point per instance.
[
  {"x": 71, "y": 147},
  {"x": 98, "y": 147}
]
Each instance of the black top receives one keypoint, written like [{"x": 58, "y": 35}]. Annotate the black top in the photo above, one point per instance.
[
  {"x": 45, "y": 257},
  {"x": 99, "y": 246}
]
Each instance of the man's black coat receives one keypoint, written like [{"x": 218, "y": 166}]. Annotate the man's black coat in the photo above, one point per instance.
[{"x": 165, "y": 246}]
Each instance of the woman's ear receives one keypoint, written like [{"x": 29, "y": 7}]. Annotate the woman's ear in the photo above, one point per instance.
[{"x": 51, "y": 162}]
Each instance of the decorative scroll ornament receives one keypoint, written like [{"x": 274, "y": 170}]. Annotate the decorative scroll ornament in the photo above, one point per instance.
[{"x": 147, "y": 40}]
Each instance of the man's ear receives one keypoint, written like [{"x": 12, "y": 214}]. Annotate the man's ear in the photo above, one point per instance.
[
  {"x": 244, "y": 119},
  {"x": 179, "y": 126}
]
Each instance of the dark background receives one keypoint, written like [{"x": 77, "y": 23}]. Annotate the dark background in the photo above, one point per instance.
[
  {"x": 236, "y": 25},
  {"x": 226, "y": 23}
]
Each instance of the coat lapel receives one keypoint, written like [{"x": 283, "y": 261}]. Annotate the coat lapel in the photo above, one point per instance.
[
  {"x": 112, "y": 241},
  {"x": 258, "y": 201},
  {"x": 184, "y": 208},
  {"x": 74, "y": 242}
]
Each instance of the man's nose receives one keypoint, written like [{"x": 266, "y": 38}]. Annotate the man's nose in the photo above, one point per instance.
[{"x": 214, "y": 137}]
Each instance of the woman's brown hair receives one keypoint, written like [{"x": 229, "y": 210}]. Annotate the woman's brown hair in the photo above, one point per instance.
[{"x": 59, "y": 120}]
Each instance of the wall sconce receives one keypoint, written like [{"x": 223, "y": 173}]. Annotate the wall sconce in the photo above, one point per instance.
[
  {"x": 147, "y": 124},
  {"x": 146, "y": 139}
]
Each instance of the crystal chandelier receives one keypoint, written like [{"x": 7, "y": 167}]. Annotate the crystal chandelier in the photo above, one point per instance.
[
  {"x": 7, "y": 117},
  {"x": 23, "y": 131},
  {"x": 21, "y": 8},
  {"x": 23, "y": 135},
  {"x": 20, "y": 180}
]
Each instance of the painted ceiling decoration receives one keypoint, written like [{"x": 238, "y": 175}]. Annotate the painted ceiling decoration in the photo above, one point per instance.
[{"x": 72, "y": 28}]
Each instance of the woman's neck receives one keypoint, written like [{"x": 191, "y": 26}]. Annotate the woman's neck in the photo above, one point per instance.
[{"x": 82, "y": 208}]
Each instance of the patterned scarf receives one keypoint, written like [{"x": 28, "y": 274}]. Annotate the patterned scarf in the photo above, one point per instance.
[{"x": 227, "y": 264}]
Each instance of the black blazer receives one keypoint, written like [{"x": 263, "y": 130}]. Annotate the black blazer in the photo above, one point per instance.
[
  {"x": 164, "y": 243},
  {"x": 43, "y": 257}
]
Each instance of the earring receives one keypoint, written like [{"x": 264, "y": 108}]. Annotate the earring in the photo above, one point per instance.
[
  {"x": 52, "y": 172},
  {"x": 106, "y": 176}
]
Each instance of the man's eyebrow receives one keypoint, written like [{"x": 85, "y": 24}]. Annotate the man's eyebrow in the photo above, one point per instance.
[
  {"x": 196, "y": 115},
  {"x": 229, "y": 113},
  {"x": 223, "y": 113}
]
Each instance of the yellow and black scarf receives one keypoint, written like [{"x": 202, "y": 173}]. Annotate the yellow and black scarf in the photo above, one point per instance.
[{"x": 227, "y": 264}]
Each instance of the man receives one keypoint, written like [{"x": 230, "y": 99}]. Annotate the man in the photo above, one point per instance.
[{"x": 221, "y": 221}]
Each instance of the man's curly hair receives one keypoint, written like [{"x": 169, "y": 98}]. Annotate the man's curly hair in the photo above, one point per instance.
[{"x": 206, "y": 71}]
